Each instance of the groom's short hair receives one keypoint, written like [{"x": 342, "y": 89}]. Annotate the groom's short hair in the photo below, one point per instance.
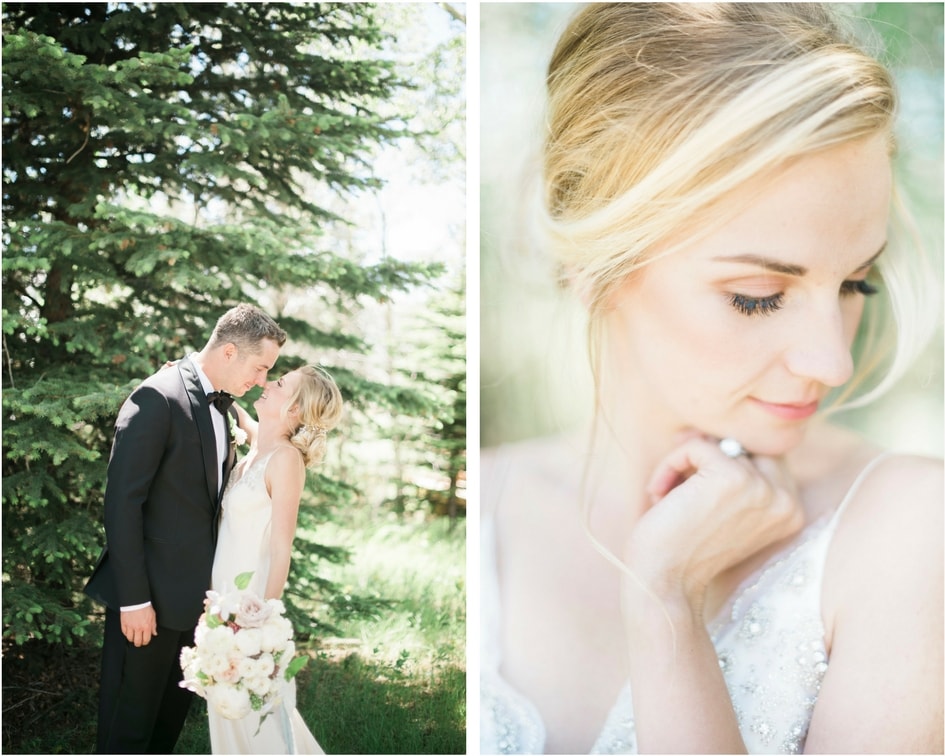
[{"x": 246, "y": 326}]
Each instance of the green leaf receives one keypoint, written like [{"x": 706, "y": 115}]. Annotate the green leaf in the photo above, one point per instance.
[
  {"x": 296, "y": 666},
  {"x": 242, "y": 580}
]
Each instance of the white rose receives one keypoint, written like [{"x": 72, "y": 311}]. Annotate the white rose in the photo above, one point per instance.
[
  {"x": 247, "y": 667},
  {"x": 232, "y": 672},
  {"x": 248, "y": 641},
  {"x": 188, "y": 657},
  {"x": 260, "y": 685},
  {"x": 265, "y": 665},
  {"x": 267, "y": 638},
  {"x": 219, "y": 641},
  {"x": 201, "y": 632},
  {"x": 274, "y": 638},
  {"x": 216, "y": 666},
  {"x": 190, "y": 667},
  {"x": 231, "y": 702}
]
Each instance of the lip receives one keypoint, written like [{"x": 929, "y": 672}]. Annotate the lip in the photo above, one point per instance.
[{"x": 793, "y": 411}]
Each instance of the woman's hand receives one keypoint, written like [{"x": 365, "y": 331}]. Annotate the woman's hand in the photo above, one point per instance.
[
  {"x": 709, "y": 513},
  {"x": 243, "y": 419}
]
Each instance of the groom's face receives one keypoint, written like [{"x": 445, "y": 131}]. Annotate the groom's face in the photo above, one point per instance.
[{"x": 247, "y": 369}]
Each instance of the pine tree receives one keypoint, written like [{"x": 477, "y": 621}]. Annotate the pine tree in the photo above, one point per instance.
[
  {"x": 158, "y": 161},
  {"x": 447, "y": 430},
  {"x": 425, "y": 342}
]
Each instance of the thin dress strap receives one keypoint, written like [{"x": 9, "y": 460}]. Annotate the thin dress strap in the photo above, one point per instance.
[{"x": 854, "y": 487}]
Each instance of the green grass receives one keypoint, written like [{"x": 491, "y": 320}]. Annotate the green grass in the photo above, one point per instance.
[
  {"x": 395, "y": 684},
  {"x": 392, "y": 684}
]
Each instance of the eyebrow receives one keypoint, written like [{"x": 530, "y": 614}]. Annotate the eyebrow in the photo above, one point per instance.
[{"x": 788, "y": 269}]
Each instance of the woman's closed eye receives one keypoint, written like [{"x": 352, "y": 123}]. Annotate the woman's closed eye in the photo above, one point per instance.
[
  {"x": 748, "y": 305},
  {"x": 858, "y": 287}
]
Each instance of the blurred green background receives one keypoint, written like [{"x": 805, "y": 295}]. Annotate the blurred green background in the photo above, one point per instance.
[{"x": 534, "y": 374}]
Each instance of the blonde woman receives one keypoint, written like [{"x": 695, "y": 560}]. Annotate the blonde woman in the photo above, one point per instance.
[
  {"x": 258, "y": 521},
  {"x": 711, "y": 567}
]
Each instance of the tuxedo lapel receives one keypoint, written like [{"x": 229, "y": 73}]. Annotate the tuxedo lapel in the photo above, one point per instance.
[
  {"x": 200, "y": 411},
  {"x": 230, "y": 462}
]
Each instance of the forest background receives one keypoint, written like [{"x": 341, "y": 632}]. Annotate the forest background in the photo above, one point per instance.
[{"x": 162, "y": 162}]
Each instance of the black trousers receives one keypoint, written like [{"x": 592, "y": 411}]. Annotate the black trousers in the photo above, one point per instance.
[{"x": 141, "y": 706}]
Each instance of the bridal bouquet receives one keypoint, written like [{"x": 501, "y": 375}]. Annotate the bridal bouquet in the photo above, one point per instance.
[{"x": 243, "y": 651}]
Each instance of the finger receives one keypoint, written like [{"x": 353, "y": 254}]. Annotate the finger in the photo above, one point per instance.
[
  {"x": 682, "y": 462},
  {"x": 775, "y": 470},
  {"x": 686, "y": 435}
]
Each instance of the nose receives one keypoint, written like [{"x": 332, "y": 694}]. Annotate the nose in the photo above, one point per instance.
[
  {"x": 821, "y": 350},
  {"x": 261, "y": 380}
]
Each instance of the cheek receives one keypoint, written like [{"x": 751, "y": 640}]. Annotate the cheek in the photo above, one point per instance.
[
  {"x": 692, "y": 337},
  {"x": 852, "y": 312}
]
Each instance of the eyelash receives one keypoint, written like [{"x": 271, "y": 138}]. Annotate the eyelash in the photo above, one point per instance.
[
  {"x": 756, "y": 305},
  {"x": 766, "y": 305}
]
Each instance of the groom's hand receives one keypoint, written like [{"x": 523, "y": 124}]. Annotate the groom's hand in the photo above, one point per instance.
[{"x": 139, "y": 625}]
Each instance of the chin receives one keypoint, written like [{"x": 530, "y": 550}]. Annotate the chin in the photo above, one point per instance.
[
  {"x": 765, "y": 439},
  {"x": 774, "y": 443}
]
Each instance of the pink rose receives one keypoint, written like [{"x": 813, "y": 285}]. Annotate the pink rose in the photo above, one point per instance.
[{"x": 253, "y": 611}]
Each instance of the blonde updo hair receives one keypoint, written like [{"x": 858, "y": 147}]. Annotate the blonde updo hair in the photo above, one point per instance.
[
  {"x": 657, "y": 111},
  {"x": 320, "y": 408}
]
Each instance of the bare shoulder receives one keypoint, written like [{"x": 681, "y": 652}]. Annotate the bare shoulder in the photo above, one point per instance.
[
  {"x": 527, "y": 454},
  {"x": 285, "y": 465},
  {"x": 903, "y": 492},
  {"x": 883, "y": 609},
  {"x": 525, "y": 466},
  {"x": 889, "y": 543}
]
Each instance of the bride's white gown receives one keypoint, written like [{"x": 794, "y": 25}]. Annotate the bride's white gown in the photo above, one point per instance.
[{"x": 243, "y": 546}]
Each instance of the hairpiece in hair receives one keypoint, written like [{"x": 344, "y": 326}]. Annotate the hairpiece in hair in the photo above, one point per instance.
[{"x": 316, "y": 429}]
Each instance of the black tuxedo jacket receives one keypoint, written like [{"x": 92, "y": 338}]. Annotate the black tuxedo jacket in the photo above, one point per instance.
[{"x": 161, "y": 500}]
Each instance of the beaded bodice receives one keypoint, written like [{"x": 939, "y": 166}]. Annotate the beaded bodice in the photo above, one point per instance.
[{"x": 769, "y": 638}]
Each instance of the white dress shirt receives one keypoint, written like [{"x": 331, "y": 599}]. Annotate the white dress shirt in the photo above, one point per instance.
[{"x": 219, "y": 429}]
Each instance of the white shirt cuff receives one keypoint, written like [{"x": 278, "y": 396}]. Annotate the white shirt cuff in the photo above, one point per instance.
[{"x": 136, "y": 606}]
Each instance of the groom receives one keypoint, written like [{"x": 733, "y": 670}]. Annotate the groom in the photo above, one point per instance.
[{"x": 170, "y": 459}]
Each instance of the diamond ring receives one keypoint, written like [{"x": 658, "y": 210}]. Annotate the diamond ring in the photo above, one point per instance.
[{"x": 731, "y": 448}]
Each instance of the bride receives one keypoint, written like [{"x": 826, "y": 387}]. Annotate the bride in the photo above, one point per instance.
[
  {"x": 258, "y": 523},
  {"x": 711, "y": 567}
]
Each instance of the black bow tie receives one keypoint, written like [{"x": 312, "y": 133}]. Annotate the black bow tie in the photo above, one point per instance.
[{"x": 221, "y": 400}]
